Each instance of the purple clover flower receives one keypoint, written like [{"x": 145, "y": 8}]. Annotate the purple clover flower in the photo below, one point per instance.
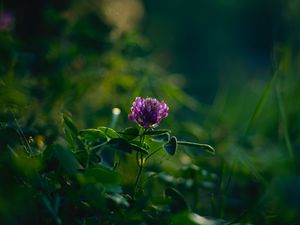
[
  {"x": 148, "y": 112},
  {"x": 6, "y": 21}
]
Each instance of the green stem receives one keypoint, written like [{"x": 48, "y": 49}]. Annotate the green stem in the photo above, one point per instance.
[
  {"x": 140, "y": 163},
  {"x": 138, "y": 178}
]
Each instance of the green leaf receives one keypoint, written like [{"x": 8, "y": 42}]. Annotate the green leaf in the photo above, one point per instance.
[
  {"x": 139, "y": 149},
  {"x": 161, "y": 138},
  {"x": 67, "y": 161},
  {"x": 167, "y": 177},
  {"x": 204, "y": 147},
  {"x": 65, "y": 158},
  {"x": 70, "y": 124},
  {"x": 178, "y": 202},
  {"x": 157, "y": 132},
  {"x": 93, "y": 135},
  {"x": 69, "y": 138},
  {"x": 171, "y": 146},
  {"x": 28, "y": 166},
  {"x": 109, "y": 132},
  {"x": 118, "y": 199},
  {"x": 100, "y": 175},
  {"x": 130, "y": 133},
  {"x": 188, "y": 218},
  {"x": 82, "y": 156},
  {"x": 119, "y": 144}
]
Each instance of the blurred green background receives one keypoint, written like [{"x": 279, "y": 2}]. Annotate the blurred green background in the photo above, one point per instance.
[{"x": 228, "y": 69}]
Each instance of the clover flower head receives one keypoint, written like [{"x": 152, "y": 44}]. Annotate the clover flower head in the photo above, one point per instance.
[
  {"x": 6, "y": 21},
  {"x": 148, "y": 112}
]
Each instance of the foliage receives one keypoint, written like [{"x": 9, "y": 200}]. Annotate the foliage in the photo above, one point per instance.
[{"x": 79, "y": 181}]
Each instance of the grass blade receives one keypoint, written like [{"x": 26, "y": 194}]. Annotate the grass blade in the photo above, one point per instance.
[
  {"x": 261, "y": 101},
  {"x": 285, "y": 128}
]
